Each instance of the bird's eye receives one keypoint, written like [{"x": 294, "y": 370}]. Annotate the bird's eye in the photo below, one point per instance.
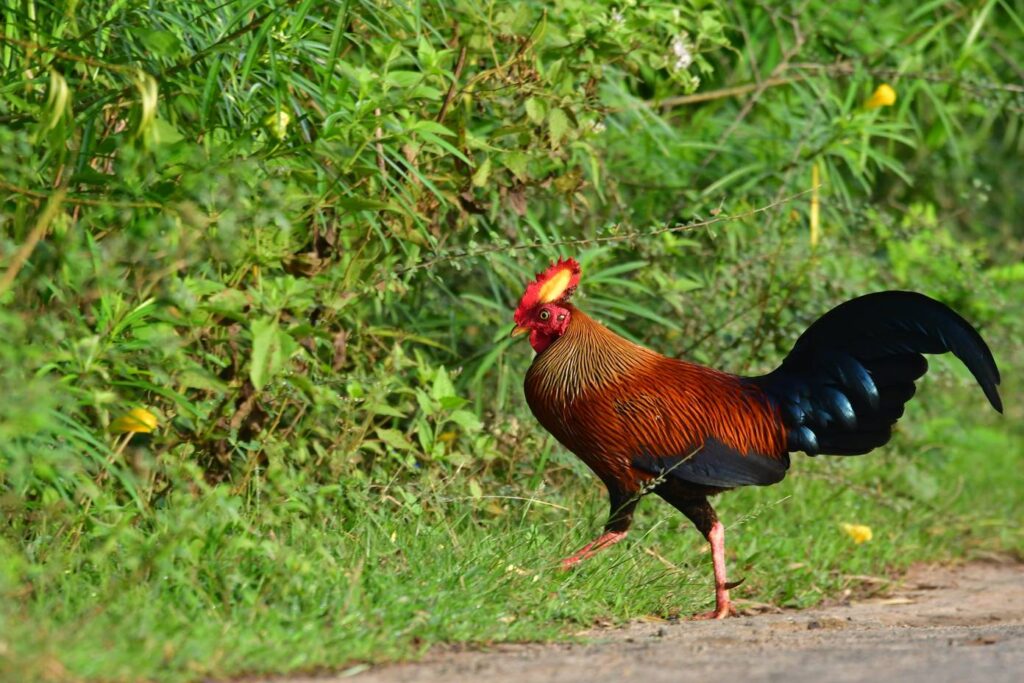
[{"x": 545, "y": 314}]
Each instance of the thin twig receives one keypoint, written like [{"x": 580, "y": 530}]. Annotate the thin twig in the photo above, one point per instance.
[
  {"x": 842, "y": 68},
  {"x": 665, "y": 561},
  {"x": 30, "y": 46},
  {"x": 500, "y": 69},
  {"x": 452, "y": 499},
  {"x": 378, "y": 133},
  {"x": 849, "y": 68},
  {"x": 20, "y": 257},
  {"x": 428, "y": 263},
  {"x": 72, "y": 199},
  {"x": 721, "y": 93},
  {"x": 461, "y": 62}
]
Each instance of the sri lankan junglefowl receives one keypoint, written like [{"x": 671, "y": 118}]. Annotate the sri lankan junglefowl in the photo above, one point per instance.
[{"x": 648, "y": 423}]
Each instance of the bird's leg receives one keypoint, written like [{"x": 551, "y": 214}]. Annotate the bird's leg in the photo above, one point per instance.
[
  {"x": 622, "y": 506},
  {"x": 723, "y": 606},
  {"x": 700, "y": 512},
  {"x": 607, "y": 539}
]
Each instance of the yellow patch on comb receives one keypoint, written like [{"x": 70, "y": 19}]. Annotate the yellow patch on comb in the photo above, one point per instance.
[
  {"x": 554, "y": 288},
  {"x": 557, "y": 283}
]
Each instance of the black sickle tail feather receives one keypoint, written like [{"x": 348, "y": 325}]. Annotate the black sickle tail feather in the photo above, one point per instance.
[{"x": 843, "y": 386}]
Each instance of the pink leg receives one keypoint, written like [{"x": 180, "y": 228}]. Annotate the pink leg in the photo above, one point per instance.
[
  {"x": 608, "y": 539},
  {"x": 723, "y": 607}
]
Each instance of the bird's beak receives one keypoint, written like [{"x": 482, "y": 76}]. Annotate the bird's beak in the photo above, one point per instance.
[{"x": 518, "y": 330}]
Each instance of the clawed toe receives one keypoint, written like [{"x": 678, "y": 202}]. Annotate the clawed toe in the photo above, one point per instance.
[
  {"x": 716, "y": 614},
  {"x": 569, "y": 563}
]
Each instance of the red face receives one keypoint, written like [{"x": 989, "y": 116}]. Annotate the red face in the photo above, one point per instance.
[
  {"x": 544, "y": 310},
  {"x": 545, "y": 323}
]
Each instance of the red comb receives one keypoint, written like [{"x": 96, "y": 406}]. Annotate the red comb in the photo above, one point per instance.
[{"x": 557, "y": 283}]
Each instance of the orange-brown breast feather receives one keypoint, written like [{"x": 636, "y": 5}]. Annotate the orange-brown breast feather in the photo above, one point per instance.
[{"x": 609, "y": 400}]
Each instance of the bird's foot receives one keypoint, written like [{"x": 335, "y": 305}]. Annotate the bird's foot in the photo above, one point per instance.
[
  {"x": 607, "y": 539},
  {"x": 720, "y": 612},
  {"x": 723, "y": 605}
]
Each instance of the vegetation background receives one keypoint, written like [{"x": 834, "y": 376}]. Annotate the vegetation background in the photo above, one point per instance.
[{"x": 258, "y": 260}]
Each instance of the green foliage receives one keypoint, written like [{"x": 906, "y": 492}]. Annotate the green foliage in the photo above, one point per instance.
[{"x": 295, "y": 232}]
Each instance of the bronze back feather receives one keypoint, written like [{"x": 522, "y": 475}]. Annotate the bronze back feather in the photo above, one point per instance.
[{"x": 609, "y": 400}]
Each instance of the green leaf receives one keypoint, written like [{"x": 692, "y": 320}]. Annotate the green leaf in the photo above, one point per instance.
[
  {"x": 425, "y": 92},
  {"x": 403, "y": 79},
  {"x": 427, "y": 405},
  {"x": 426, "y": 54},
  {"x": 385, "y": 409},
  {"x": 443, "y": 387},
  {"x": 165, "y": 133},
  {"x": 467, "y": 420},
  {"x": 443, "y": 144},
  {"x": 558, "y": 127},
  {"x": 271, "y": 349},
  {"x": 363, "y": 204},
  {"x": 266, "y": 355},
  {"x": 453, "y": 402},
  {"x": 517, "y": 162},
  {"x": 431, "y": 127},
  {"x": 162, "y": 43},
  {"x": 482, "y": 173},
  {"x": 425, "y": 435},
  {"x": 535, "y": 110},
  {"x": 394, "y": 438},
  {"x": 200, "y": 378}
]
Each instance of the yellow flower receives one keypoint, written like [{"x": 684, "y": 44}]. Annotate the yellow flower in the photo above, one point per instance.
[
  {"x": 884, "y": 96},
  {"x": 136, "y": 420},
  {"x": 858, "y": 532}
]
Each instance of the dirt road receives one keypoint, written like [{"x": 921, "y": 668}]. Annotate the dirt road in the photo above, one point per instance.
[{"x": 943, "y": 624}]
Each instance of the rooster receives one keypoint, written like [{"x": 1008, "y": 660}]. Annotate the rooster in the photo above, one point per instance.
[{"x": 644, "y": 422}]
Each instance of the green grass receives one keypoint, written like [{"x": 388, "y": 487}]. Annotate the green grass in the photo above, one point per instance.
[{"x": 333, "y": 577}]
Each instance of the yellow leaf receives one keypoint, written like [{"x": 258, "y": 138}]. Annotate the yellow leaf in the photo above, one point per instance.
[
  {"x": 136, "y": 420},
  {"x": 277, "y": 123},
  {"x": 884, "y": 96},
  {"x": 815, "y": 206},
  {"x": 148, "y": 99},
  {"x": 860, "y": 533}
]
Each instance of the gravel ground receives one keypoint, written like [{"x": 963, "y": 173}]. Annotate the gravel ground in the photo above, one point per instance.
[{"x": 962, "y": 623}]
